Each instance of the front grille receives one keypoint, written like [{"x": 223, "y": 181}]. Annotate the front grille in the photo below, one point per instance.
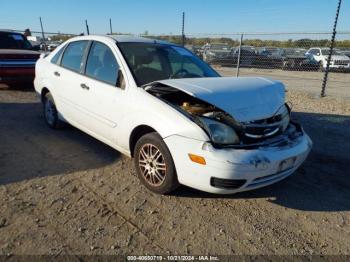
[
  {"x": 263, "y": 128},
  {"x": 341, "y": 62},
  {"x": 227, "y": 183}
]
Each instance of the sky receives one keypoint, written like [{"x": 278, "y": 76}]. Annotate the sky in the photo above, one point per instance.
[{"x": 164, "y": 16}]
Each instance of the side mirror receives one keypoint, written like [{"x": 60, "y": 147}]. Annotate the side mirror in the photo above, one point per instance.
[{"x": 318, "y": 54}]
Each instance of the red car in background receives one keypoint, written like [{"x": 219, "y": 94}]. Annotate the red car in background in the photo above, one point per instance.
[{"x": 17, "y": 59}]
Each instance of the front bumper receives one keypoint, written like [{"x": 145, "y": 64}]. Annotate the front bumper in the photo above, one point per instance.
[
  {"x": 254, "y": 168},
  {"x": 335, "y": 67}
]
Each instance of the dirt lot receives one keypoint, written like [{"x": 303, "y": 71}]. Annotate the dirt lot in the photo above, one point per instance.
[
  {"x": 63, "y": 192},
  {"x": 309, "y": 82}
]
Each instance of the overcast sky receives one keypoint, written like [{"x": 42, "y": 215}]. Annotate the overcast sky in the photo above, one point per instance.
[{"x": 164, "y": 16}]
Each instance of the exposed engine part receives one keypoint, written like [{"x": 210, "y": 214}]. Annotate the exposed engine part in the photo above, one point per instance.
[
  {"x": 197, "y": 109},
  {"x": 188, "y": 103}
]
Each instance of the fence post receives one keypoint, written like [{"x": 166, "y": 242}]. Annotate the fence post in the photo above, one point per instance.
[
  {"x": 183, "y": 28},
  {"x": 43, "y": 34},
  {"x": 324, "y": 84},
  {"x": 239, "y": 55},
  {"x": 110, "y": 25}
]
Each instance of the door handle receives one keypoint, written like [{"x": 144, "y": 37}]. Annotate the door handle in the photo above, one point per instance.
[
  {"x": 57, "y": 73},
  {"x": 84, "y": 86}
]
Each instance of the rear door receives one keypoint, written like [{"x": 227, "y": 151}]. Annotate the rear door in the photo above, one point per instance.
[{"x": 68, "y": 78}]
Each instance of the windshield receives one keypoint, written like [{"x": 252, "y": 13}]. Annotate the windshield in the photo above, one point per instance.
[
  {"x": 328, "y": 51},
  {"x": 151, "y": 62},
  {"x": 298, "y": 52},
  {"x": 219, "y": 47},
  {"x": 14, "y": 41}
]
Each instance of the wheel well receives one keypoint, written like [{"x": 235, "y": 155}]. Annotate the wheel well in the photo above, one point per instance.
[
  {"x": 136, "y": 134},
  {"x": 44, "y": 91}
]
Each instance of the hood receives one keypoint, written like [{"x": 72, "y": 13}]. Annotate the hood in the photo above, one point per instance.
[
  {"x": 244, "y": 98},
  {"x": 18, "y": 54}
]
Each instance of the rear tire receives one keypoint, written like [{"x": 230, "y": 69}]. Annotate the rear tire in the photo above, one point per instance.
[
  {"x": 154, "y": 164},
  {"x": 51, "y": 113}
]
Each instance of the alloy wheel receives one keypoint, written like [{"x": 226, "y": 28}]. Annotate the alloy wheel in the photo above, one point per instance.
[{"x": 152, "y": 165}]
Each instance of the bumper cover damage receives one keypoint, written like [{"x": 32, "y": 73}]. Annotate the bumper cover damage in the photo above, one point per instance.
[{"x": 232, "y": 170}]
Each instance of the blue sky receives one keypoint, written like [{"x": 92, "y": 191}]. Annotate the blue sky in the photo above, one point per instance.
[{"x": 164, "y": 16}]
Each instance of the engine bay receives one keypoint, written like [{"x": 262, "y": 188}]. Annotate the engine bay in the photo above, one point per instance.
[{"x": 250, "y": 133}]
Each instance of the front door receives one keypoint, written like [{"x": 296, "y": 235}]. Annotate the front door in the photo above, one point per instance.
[{"x": 104, "y": 91}]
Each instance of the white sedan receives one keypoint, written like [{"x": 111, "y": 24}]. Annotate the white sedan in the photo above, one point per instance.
[{"x": 180, "y": 121}]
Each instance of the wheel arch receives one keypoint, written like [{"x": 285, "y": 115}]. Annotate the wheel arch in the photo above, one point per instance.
[
  {"x": 136, "y": 134},
  {"x": 43, "y": 93}
]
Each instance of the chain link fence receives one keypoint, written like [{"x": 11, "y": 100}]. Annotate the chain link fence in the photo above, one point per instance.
[{"x": 297, "y": 59}]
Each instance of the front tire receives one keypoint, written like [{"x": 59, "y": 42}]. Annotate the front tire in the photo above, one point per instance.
[
  {"x": 154, "y": 164},
  {"x": 51, "y": 113}
]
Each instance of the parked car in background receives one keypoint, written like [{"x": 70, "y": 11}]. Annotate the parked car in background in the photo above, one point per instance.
[
  {"x": 213, "y": 53},
  {"x": 180, "y": 121},
  {"x": 52, "y": 46},
  {"x": 295, "y": 59},
  {"x": 17, "y": 59},
  {"x": 345, "y": 52},
  {"x": 269, "y": 57},
  {"x": 338, "y": 61},
  {"x": 36, "y": 45},
  {"x": 197, "y": 50},
  {"x": 248, "y": 56}
]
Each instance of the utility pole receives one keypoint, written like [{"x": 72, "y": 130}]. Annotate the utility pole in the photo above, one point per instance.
[
  {"x": 87, "y": 27},
  {"x": 324, "y": 84},
  {"x": 110, "y": 25},
  {"x": 42, "y": 33},
  {"x": 183, "y": 28}
]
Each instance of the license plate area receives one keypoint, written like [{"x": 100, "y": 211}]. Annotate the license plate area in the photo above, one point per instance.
[{"x": 286, "y": 164}]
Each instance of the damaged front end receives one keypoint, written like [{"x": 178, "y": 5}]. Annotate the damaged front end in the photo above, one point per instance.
[{"x": 223, "y": 129}]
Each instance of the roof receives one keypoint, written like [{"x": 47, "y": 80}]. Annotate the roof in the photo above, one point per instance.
[
  {"x": 4, "y": 31},
  {"x": 135, "y": 39}
]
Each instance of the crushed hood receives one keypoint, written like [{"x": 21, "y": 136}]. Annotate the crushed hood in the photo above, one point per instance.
[{"x": 244, "y": 98}]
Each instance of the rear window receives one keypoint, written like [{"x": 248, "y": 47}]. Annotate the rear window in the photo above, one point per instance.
[
  {"x": 55, "y": 59},
  {"x": 14, "y": 41}
]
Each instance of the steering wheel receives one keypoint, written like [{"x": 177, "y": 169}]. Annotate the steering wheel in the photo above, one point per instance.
[{"x": 181, "y": 72}]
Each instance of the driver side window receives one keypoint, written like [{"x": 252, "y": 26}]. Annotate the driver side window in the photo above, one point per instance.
[{"x": 102, "y": 64}]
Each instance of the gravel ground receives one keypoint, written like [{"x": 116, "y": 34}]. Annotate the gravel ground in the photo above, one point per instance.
[{"x": 63, "y": 192}]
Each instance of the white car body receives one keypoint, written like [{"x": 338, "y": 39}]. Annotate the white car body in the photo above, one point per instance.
[
  {"x": 338, "y": 61},
  {"x": 112, "y": 114}
]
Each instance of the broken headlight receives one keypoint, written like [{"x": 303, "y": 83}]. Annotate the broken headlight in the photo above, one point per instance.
[{"x": 220, "y": 133}]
